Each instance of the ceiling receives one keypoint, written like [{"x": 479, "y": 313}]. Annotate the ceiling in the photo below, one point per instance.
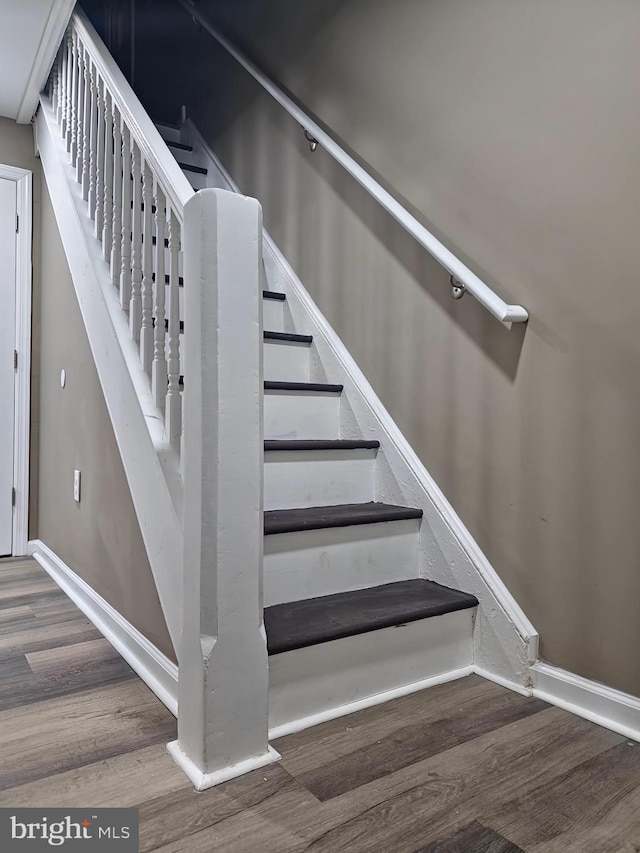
[{"x": 30, "y": 33}]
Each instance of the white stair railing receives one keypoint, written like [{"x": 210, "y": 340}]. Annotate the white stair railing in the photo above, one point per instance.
[
  {"x": 462, "y": 278},
  {"x": 158, "y": 238},
  {"x": 135, "y": 193}
]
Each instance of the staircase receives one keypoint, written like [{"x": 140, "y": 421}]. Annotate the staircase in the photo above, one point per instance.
[
  {"x": 347, "y": 615},
  {"x": 283, "y": 516}
]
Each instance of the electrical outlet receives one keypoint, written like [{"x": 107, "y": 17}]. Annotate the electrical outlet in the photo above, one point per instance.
[{"x": 76, "y": 486}]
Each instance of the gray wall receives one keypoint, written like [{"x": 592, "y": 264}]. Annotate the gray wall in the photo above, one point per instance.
[
  {"x": 511, "y": 127},
  {"x": 99, "y": 538}
]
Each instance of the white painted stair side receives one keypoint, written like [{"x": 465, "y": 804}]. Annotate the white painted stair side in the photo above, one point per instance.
[
  {"x": 301, "y": 414},
  {"x": 303, "y": 478},
  {"x": 310, "y": 685},
  {"x": 311, "y": 563}
]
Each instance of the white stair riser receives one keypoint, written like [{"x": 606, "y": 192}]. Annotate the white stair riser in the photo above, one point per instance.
[
  {"x": 273, "y": 315},
  {"x": 171, "y": 133},
  {"x": 318, "y": 478},
  {"x": 286, "y": 361},
  {"x": 295, "y": 414},
  {"x": 197, "y": 180},
  {"x": 310, "y": 563},
  {"x": 323, "y": 679}
]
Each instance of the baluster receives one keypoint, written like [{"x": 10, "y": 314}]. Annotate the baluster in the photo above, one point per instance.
[
  {"x": 72, "y": 148},
  {"x": 53, "y": 87},
  {"x": 125, "y": 243},
  {"x": 93, "y": 139},
  {"x": 63, "y": 86},
  {"x": 100, "y": 146},
  {"x": 86, "y": 127},
  {"x": 116, "y": 218},
  {"x": 159, "y": 367},
  {"x": 58, "y": 86},
  {"x": 107, "y": 201},
  {"x": 173, "y": 402},
  {"x": 80, "y": 111},
  {"x": 135, "y": 306},
  {"x": 146, "y": 328}
]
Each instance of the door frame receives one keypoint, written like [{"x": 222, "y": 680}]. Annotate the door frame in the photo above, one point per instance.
[{"x": 22, "y": 406}]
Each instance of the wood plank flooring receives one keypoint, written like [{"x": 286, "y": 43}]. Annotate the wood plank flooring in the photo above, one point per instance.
[{"x": 466, "y": 767}]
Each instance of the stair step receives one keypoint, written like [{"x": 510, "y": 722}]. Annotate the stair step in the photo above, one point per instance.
[
  {"x": 319, "y": 444},
  {"x": 342, "y": 515},
  {"x": 299, "y": 624},
  {"x": 188, "y": 167},
  {"x": 273, "y": 307},
  {"x": 171, "y": 124},
  {"x": 288, "y": 336},
  {"x": 180, "y": 145},
  {"x": 300, "y": 410},
  {"x": 303, "y": 386}
]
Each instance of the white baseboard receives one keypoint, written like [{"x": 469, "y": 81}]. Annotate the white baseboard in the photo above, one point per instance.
[
  {"x": 603, "y": 705},
  {"x": 156, "y": 670},
  {"x": 503, "y": 682},
  {"x": 202, "y": 781}
]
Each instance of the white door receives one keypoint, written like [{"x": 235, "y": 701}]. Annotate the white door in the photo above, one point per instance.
[{"x": 7, "y": 345}]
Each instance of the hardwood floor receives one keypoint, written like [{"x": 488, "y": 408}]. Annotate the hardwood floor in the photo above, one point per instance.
[{"x": 466, "y": 767}]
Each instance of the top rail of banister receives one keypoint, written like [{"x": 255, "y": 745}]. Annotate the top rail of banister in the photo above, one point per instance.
[
  {"x": 460, "y": 272},
  {"x": 152, "y": 146}
]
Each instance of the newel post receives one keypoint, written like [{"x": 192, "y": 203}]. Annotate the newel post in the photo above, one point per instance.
[{"x": 223, "y": 665}]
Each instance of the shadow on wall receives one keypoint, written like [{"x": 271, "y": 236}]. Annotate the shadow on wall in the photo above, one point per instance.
[{"x": 166, "y": 29}]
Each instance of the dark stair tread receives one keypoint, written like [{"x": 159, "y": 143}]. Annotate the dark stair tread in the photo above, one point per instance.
[
  {"x": 303, "y": 386},
  {"x": 342, "y": 515},
  {"x": 181, "y": 145},
  {"x": 299, "y": 624},
  {"x": 288, "y": 336},
  {"x": 273, "y": 294},
  {"x": 320, "y": 444},
  {"x": 187, "y": 167}
]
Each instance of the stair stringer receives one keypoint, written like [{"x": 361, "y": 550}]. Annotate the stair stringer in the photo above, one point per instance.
[
  {"x": 150, "y": 464},
  {"x": 505, "y": 643}
]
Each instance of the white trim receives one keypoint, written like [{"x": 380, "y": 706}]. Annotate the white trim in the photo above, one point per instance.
[
  {"x": 202, "y": 781},
  {"x": 503, "y": 682},
  {"x": 21, "y": 433},
  {"x": 51, "y": 37},
  {"x": 150, "y": 464},
  {"x": 476, "y": 287},
  {"x": 603, "y": 705},
  {"x": 505, "y": 641},
  {"x": 369, "y": 702},
  {"x": 156, "y": 670}
]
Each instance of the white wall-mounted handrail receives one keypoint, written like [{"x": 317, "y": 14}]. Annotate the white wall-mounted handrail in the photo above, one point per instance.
[
  {"x": 151, "y": 144},
  {"x": 474, "y": 285}
]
